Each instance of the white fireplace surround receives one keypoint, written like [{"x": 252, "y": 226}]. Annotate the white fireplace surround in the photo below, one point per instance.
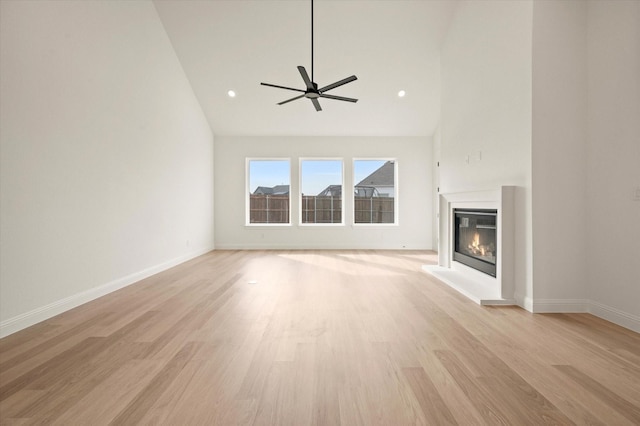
[{"x": 478, "y": 286}]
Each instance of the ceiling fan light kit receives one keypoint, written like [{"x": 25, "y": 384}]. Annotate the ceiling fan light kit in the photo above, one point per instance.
[{"x": 312, "y": 92}]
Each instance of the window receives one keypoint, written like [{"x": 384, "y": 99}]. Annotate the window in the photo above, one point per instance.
[
  {"x": 268, "y": 182},
  {"x": 375, "y": 198},
  {"x": 321, "y": 191}
]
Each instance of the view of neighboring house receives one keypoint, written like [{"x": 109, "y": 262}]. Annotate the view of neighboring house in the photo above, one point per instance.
[
  {"x": 331, "y": 191},
  {"x": 359, "y": 191},
  {"x": 377, "y": 184},
  {"x": 276, "y": 190},
  {"x": 381, "y": 180}
]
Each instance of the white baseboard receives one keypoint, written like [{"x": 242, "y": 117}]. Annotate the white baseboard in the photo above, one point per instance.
[
  {"x": 616, "y": 316},
  {"x": 560, "y": 305},
  {"x": 40, "y": 314},
  {"x": 308, "y": 246},
  {"x": 524, "y": 302}
]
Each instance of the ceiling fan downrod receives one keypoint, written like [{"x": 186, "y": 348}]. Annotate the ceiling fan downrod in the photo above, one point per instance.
[
  {"x": 312, "y": 41},
  {"x": 312, "y": 92}
]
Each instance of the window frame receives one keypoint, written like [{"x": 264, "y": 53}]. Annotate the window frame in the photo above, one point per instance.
[
  {"x": 396, "y": 192},
  {"x": 300, "y": 195},
  {"x": 247, "y": 208}
]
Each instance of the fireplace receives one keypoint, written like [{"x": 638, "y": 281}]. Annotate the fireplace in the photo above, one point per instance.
[
  {"x": 490, "y": 214},
  {"x": 475, "y": 239}
]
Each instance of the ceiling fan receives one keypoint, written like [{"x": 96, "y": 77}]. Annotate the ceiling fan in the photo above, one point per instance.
[{"x": 312, "y": 92}]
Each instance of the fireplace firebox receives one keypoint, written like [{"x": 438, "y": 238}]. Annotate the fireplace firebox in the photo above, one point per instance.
[{"x": 475, "y": 237}]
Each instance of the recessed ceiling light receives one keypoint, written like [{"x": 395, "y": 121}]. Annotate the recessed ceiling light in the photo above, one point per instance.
[
  {"x": 401, "y": 93},
  {"x": 231, "y": 94}
]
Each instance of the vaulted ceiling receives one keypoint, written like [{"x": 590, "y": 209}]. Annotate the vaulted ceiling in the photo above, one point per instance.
[{"x": 389, "y": 45}]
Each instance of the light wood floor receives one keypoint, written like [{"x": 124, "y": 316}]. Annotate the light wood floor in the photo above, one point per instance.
[{"x": 315, "y": 338}]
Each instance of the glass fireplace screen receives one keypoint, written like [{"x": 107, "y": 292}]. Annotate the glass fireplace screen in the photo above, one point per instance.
[{"x": 476, "y": 239}]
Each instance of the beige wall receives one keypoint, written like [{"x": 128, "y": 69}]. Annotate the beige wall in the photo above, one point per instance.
[
  {"x": 414, "y": 189},
  {"x": 485, "y": 131},
  {"x": 559, "y": 118},
  {"x": 586, "y": 144},
  {"x": 106, "y": 156},
  {"x": 612, "y": 234},
  {"x": 559, "y": 155}
]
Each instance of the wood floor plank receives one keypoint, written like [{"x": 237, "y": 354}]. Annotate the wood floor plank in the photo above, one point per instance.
[
  {"x": 139, "y": 406},
  {"x": 14, "y": 404},
  {"x": 86, "y": 367},
  {"x": 182, "y": 390},
  {"x": 327, "y": 378},
  {"x": 620, "y": 404},
  {"x": 315, "y": 337},
  {"x": 454, "y": 396},
  {"x": 354, "y": 406},
  {"x": 433, "y": 406},
  {"x": 36, "y": 355},
  {"x": 71, "y": 333},
  {"x": 123, "y": 385},
  {"x": 480, "y": 396}
]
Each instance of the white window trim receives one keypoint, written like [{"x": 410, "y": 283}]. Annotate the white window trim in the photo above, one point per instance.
[
  {"x": 247, "y": 202},
  {"x": 342, "y": 207},
  {"x": 396, "y": 202}
]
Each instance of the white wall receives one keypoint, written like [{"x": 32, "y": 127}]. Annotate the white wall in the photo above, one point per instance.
[
  {"x": 559, "y": 155},
  {"x": 414, "y": 193},
  {"x": 613, "y": 233},
  {"x": 586, "y": 150},
  {"x": 106, "y": 156},
  {"x": 485, "y": 131},
  {"x": 435, "y": 161}
]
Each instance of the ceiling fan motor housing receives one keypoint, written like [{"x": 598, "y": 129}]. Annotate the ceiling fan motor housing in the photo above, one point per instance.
[{"x": 312, "y": 93}]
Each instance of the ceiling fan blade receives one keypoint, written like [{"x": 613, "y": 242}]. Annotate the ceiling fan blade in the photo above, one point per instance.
[
  {"x": 338, "y": 83},
  {"x": 338, "y": 98},
  {"x": 316, "y": 104},
  {"x": 289, "y": 100},
  {"x": 305, "y": 77},
  {"x": 282, "y": 87}
]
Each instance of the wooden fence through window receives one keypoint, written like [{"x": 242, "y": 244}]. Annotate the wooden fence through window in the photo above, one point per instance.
[
  {"x": 316, "y": 209},
  {"x": 268, "y": 208},
  {"x": 275, "y": 209},
  {"x": 374, "y": 210}
]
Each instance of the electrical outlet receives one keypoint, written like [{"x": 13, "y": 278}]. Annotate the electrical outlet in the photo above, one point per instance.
[{"x": 636, "y": 193}]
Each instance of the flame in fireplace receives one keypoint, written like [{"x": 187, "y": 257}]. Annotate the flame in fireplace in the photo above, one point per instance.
[
  {"x": 476, "y": 241},
  {"x": 476, "y": 247}
]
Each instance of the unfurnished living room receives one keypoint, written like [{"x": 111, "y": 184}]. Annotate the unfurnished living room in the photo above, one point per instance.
[{"x": 297, "y": 212}]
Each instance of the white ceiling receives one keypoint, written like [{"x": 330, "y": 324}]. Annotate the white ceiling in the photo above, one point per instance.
[{"x": 389, "y": 45}]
